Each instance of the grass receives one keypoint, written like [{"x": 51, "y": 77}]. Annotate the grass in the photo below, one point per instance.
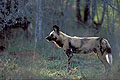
[
  {"x": 49, "y": 67},
  {"x": 24, "y": 65}
]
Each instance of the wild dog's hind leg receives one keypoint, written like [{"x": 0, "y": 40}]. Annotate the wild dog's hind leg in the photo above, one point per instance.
[
  {"x": 104, "y": 61},
  {"x": 69, "y": 64}
]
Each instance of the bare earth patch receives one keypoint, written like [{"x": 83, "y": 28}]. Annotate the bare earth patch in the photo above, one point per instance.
[{"x": 27, "y": 54}]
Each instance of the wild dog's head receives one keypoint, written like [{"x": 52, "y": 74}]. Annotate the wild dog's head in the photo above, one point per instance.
[{"x": 54, "y": 35}]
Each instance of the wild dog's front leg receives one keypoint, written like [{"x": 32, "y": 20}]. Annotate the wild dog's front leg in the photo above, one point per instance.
[
  {"x": 69, "y": 63},
  {"x": 69, "y": 54}
]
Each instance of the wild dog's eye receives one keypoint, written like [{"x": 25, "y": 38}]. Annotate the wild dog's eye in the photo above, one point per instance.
[{"x": 51, "y": 35}]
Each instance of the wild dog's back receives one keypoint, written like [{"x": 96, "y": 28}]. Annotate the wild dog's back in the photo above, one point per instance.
[{"x": 85, "y": 42}]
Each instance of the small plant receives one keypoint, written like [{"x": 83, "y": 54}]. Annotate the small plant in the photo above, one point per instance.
[{"x": 7, "y": 65}]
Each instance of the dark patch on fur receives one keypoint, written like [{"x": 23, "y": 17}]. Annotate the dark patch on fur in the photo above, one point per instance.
[
  {"x": 108, "y": 50},
  {"x": 98, "y": 39},
  {"x": 68, "y": 51},
  {"x": 60, "y": 44},
  {"x": 74, "y": 49},
  {"x": 54, "y": 39},
  {"x": 50, "y": 38},
  {"x": 102, "y": 51},
  {"x": 85, "y": 52},
  {"x": 84, "y": 41},
  {"x": 56, "y": 28},
  {"x": 95, "y": 50},
  {"x": 98, "y": 46}
]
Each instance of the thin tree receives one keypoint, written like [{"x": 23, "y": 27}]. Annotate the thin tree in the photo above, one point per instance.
[
  {"x": 40, "y": 21},
  {"x": 78, "y": 14},
  {"x": 100, "y": 22},
  {"x": 93, "y": 9},
  {"x": 108, "y": 25},
  {"x": 86, "y": 11},
  {"x": 103, "y": 13}
]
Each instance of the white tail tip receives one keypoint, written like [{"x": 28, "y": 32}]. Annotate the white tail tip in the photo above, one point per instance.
[{"x": 109, "y": 58}]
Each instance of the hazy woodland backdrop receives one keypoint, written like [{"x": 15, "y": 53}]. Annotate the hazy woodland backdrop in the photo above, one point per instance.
[{"x": 24, "y": 24}]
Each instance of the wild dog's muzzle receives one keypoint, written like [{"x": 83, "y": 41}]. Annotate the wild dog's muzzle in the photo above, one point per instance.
[{"x": 48, "y": 38}]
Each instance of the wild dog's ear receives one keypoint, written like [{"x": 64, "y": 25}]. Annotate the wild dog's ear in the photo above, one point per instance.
[{"x": 56, "y": 29}]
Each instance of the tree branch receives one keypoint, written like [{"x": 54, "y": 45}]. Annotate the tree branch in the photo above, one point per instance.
[{"x": 110, "y": 4}]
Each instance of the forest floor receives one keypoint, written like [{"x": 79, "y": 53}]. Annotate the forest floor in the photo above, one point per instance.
[{"x": 31, "y": 65}]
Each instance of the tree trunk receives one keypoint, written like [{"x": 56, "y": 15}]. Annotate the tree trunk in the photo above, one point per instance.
[
  {"x": 113, "y": 19},
  {"x": 118, "y": 6},
  {"x": 108, "y": 27},
  {"x": 40, "y": 21},
  {"x": 103, "y": 13},
  {"x": 86, "y": 11},
  {"x": 100, "y": 22},
  {"x": 93, "y": 9},
  {"x": 38, "y": 27},
  {"x": 78, "y": 15},
  {"x": 97, "y": 12}
]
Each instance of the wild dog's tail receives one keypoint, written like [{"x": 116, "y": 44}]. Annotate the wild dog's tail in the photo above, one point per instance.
[
  {"x": 108, "y": 52},
  {"x": 109, "y": 58}
]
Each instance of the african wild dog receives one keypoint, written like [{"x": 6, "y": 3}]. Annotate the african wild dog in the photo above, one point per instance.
[{"x": 82, "y": 45}]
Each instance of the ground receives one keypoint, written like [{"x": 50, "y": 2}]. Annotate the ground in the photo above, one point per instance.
[{"x": 32, "y": 65}]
